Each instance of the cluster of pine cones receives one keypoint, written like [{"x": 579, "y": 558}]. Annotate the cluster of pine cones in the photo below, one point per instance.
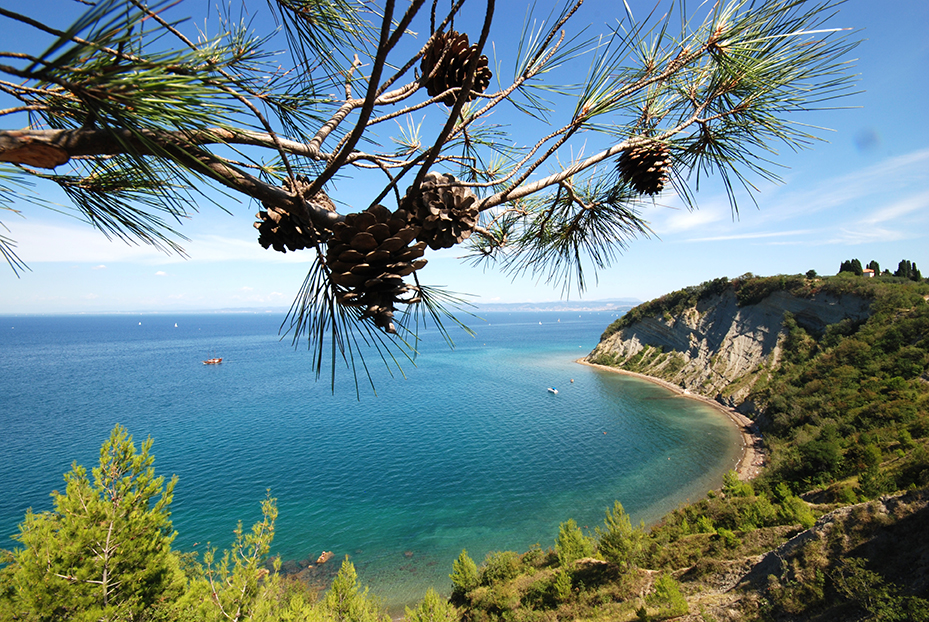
[
  {"x": 368, "y": 255},
  {"x": 445, "y": 66},
  {"x": 645, "y": 167},
  {"x": 370, "y": 252},
  {"x": 446, "y": 213},
  {"x": 278, "y": 229}
]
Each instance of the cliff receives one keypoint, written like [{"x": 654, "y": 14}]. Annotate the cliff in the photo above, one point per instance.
[{"x": 718, "y": 348}]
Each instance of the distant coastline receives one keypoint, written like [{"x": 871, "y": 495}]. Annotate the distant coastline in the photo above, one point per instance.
[{"x": 752, "y": 458}]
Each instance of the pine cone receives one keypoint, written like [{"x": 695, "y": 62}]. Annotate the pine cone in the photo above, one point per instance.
[
  {"x": 449, "y": 57},
  {"x": 368, "y": 255},
  {"x": 645, "y": 167},
  {"x": 446, "y": 214},
  {"x": 278, "y": 228}
]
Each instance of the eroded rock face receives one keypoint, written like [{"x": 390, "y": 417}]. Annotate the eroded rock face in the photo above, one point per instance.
[{"x": 718, "y": 345}]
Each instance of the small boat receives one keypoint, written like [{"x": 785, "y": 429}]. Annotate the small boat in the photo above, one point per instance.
[
  {"x": 213, "y": 361},
  {"x": 553, "y": 390}
]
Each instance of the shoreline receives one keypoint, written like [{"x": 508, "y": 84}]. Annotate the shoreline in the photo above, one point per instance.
[{"x": 752, "y": 459}]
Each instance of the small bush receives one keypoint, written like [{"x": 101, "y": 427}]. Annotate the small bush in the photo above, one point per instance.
[
  {"x": 728, "y": 538},
  {"x": 561, "y": 587},
  {"x": 572, "y": 544},
  {"x": 464, "y": 575},
  {"x": 667, "y": 599},
  {"x": 500, "y": 567}
]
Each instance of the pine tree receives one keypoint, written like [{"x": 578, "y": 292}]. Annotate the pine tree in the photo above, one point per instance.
[
  {"x": 619, "y": 542},
  {"x": 464, "y": 575},
  {"x": 433, "y": 608},
  {"x": 234, "y": 579},
  {"x": 572, "y": 544},
  {"x": 104, "y": 552},
  {"x": 347, "y": 602}
]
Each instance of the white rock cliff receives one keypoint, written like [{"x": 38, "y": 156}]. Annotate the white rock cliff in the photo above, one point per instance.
[{"x": 717, "y": 348}]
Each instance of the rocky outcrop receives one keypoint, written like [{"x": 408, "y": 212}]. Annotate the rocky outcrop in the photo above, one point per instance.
[{"x": 717, "y": 348}]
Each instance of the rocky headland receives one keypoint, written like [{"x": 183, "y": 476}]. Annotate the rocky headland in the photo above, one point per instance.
[{"x": 719, "y": 347}]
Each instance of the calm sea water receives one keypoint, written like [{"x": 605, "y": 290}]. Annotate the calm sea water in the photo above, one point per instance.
[{"x": 469, "y": 450}]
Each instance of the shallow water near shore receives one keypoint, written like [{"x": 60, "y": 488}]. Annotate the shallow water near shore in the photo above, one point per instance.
[{"x": 468, "y": 451}]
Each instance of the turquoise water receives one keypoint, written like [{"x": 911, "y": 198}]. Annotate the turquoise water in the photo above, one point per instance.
[{"x": 468, "y": 451}]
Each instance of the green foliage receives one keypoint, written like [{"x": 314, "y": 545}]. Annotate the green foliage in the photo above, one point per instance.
[
  {"x": 618, "y": 542},
  {"x": 704, "y": 525},
  {"x": 104, "y": 552},
  {"x": 669, "y": 304},
  {"x": 666, "y": 599},
  {"x": 234, "y": 577},
  {"x": 347, "y": 602},
  {"x": 728, "y": 538},
  {"x": 464, "y": 575},
  {"x": 795, "y": 510},
  {"x": 561, "y": 586},
  {"x": 880, "y": 599},
  {"x": 839, "y": 401},
  {"x": 572, "y": 544},
  {"x": 433, "y": 608},
  {"x": 734, "y": 487},
  {"x": 753, "y": 290},
  {"x": 853, "y": 266},
  {"x": 500, "y": 567},
  {"x": 907, "y": 269}
]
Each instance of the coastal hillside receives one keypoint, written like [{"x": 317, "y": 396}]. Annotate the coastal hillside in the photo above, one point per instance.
[{"x": 718, "y": 338}]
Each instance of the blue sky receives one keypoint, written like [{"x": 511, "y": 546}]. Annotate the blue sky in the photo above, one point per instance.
[{"x": 863, "y": 194}]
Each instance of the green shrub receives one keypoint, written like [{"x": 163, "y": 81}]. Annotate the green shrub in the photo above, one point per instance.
[
  {"x": 705, "y": 525},
  {"x": 500, "y": 567},
  {"x": 572, "y": 544},
  {"x": 666, "y": 598},
  {"x": 618, "y": 542},
  {"x": 733, "y": 487},
  {"x": 728, "y": 538},
  {"x": 795, "y": 510},
  {"x": 433, "y": 608},
  {"x": 464, "y": 575},
  {"x": 561, "y": 586}
]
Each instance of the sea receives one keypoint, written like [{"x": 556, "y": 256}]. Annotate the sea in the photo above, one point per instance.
[{"x": 465, "y": 448}]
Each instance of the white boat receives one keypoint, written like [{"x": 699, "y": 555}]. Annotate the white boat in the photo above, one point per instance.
[{"x": 553, "y": 390}]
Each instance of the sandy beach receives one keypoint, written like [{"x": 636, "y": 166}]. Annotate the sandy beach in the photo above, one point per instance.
[{"x": 752, "y": 459}]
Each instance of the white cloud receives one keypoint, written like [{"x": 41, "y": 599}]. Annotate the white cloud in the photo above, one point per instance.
[
  {"x": 899, "y": 209},
  {"x": 219, "y": 248},
  {"x": 161, "y": 273},
  {"x": 39, "y": 241},
  {"x": 867, "y": 235},
  {"x": 682, "y": 220},
  {"x": 753, "y": 236}
]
